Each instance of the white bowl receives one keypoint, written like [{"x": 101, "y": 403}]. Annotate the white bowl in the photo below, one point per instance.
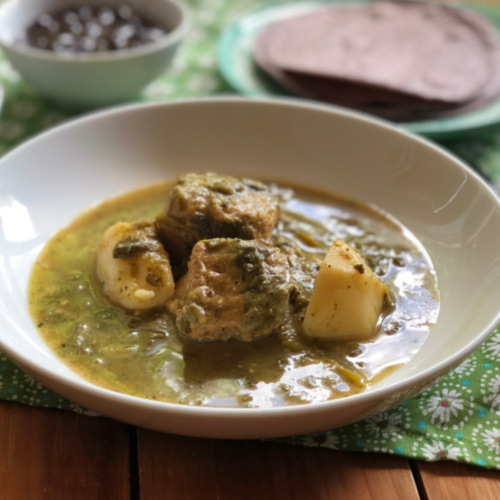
[
  {"x": 84, "y": 81},
  {"x": 45, "y": 183}
]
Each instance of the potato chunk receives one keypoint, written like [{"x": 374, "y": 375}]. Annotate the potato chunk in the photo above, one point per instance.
[
  {"x": 233, "y": 288},
  {"x": 133, "y": 267},
  {"x": 347, "y": 299}
]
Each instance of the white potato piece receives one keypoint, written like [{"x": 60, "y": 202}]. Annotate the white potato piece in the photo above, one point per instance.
[
  {"x": 347, "y": 299},
  {"x": 133, "y": 266}
]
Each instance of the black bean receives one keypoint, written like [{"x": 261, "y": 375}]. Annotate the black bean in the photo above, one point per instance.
[{"x": 89, "y": 29}]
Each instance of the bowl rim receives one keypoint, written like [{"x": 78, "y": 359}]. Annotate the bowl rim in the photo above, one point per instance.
[
  {"x": 82, "y": 386},
  {"x": 171, "y": 38}
]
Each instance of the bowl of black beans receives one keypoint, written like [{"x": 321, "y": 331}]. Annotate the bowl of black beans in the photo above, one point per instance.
[{"x": 85, "y": 54}]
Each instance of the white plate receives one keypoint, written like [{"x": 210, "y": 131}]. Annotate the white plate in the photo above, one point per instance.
[{"x": 47, "y": 182}]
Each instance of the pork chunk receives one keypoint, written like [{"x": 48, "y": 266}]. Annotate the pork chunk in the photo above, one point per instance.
[
  {"x": 233, "y": 288},
  {"x": 205, "y": 206}
]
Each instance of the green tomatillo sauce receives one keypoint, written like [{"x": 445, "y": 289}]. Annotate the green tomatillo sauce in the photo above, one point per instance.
[{"x": 144, "y": 355}]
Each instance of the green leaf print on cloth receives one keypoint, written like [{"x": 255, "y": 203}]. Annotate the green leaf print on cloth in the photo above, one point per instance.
[{"x": 457, "y": 419}]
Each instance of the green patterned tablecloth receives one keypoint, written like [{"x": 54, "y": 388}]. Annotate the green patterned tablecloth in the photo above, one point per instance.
[{"x": 457, "y": 419}]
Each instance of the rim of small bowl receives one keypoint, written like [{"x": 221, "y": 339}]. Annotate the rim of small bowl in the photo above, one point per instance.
[
  {"x": 170, "y": 38},
  {"x": 83, "y": 386}
]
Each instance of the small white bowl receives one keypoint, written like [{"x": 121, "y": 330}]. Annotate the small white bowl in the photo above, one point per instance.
[
  {"x": 47, "y": 182},
  {"x": 85, "y": 81}
]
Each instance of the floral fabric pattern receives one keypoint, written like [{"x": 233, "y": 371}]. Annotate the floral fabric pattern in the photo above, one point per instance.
[{"x": 456, "y": 419}]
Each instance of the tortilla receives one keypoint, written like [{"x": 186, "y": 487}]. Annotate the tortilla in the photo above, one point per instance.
[
  {"x": 395, "y": 59},
  {"x": 381, "y": 102}
]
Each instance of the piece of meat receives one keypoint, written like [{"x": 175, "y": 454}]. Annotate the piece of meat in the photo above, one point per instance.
[
  {"x": 205, "y": 206},
  {"x": 233, "y": 288}
]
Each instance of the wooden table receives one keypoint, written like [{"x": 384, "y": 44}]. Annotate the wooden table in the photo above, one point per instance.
[{"x": 54, "y": 454}]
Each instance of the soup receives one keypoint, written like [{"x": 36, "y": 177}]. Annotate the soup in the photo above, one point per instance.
[{"x": 147, "y": 353}]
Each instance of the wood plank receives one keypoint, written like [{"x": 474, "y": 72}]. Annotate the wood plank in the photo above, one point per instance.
[
  {"x": 54, "y": 454},
  {"x": 455, "y": 481},
  {"x": 180, "y": 468}
]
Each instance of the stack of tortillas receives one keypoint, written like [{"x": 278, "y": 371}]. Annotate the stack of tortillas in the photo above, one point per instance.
[{"x": 401, "y": 60}]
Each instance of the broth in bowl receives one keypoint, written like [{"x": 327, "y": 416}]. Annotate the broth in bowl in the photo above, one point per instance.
[
  {"x": 55, "y": 178},
  {"x": 225, "y": 323}
]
